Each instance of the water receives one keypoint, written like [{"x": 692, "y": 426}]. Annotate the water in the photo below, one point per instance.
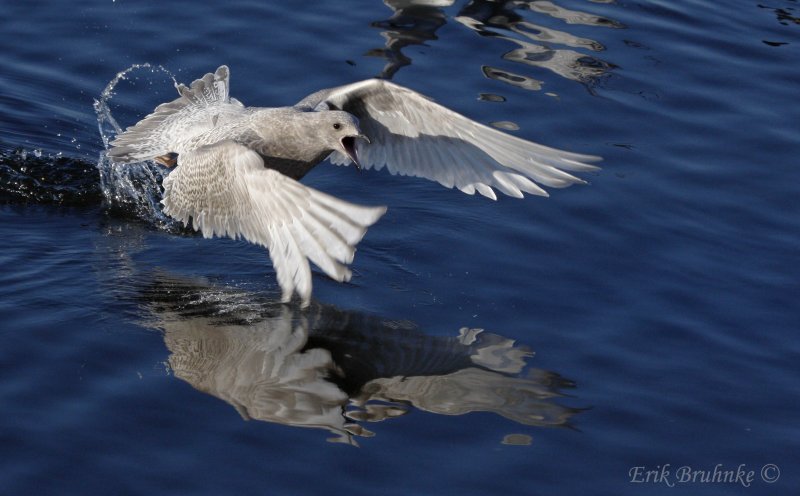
[{"x": 510, "y": 347}]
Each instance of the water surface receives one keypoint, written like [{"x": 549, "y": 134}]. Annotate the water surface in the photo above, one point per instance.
[{"x": 510, "y": 347}]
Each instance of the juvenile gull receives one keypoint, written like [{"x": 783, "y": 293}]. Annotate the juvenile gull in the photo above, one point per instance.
[{"x": 237, "y": 168}]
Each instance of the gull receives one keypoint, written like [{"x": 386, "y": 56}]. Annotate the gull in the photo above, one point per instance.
[{"x": 236, "y": 169}]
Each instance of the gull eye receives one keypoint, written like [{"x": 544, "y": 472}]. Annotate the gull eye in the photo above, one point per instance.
[{"x": 337, "y": 126}]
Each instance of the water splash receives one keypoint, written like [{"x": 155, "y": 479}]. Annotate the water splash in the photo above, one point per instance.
[
  {"x": 123, "y": 190},
  {"x": 132, "y": 188},
  {"x": 106, "y": 123}
]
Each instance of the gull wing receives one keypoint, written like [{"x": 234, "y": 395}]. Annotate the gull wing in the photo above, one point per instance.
[
  {"x": 413, "y": 136},
  {"x": 197, "y": 110},
  {"x": 226, "y": 191}
]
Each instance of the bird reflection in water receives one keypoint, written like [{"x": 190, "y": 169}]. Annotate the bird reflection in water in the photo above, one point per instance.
[{"x": 331, "y": 369}]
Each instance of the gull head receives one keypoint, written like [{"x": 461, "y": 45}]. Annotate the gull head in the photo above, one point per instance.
[{"x": 342, "y": 132}]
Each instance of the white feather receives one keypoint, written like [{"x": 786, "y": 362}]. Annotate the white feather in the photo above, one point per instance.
[
  {"x": 413, "y": 136},
  {"x": 226, "y": 191}
]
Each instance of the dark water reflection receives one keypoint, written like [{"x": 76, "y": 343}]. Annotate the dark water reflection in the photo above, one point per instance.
[
  {"x": 536, "y": 42},
  {"x": 415, "y": 22},
  {"x": 33, "y": 177},
  {"x": 786, "y": 16},
  {"x": 332, "y": 369}
]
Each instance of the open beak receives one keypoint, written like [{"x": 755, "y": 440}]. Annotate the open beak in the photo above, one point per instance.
[{"x": 349, "y": 146}]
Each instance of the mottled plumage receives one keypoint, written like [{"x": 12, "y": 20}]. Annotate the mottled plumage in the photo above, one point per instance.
[{"x": 237, "y": 167}]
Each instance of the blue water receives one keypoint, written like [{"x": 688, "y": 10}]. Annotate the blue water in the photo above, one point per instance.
[{"x": 648, "y": 319}]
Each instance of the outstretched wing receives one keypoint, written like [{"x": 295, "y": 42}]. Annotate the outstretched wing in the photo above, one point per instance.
[
  {"x": 226, "y": 191},
  {"x": 413, "y": 136},
  {"x": 198, "y": 109}
]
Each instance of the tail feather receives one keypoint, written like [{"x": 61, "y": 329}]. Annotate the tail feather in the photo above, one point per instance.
[
  {"x": 153, "y": 135},
  {"x": 209, "y": 89}
]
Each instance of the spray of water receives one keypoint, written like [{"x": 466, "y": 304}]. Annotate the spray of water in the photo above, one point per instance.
[{"x": 133, "y": 188}]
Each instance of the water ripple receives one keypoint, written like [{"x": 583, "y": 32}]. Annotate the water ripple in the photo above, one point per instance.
[{"x": 537, "y": 44}]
